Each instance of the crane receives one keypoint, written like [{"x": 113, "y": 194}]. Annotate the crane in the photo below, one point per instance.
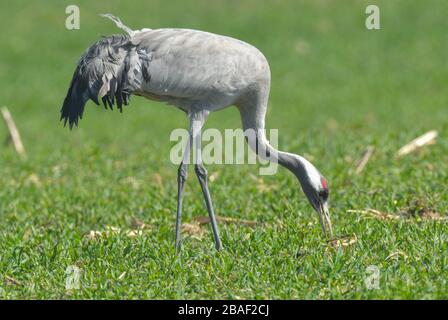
[{"x": 199, "y": 73}]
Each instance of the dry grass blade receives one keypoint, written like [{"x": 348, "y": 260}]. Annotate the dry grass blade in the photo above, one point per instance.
[
  {"x": 114, "y": 231},
  {"x": 192, "y": 229},
  {"x": 134, "y": 233},
  {"x": 407, "y": 214},
  {"x": 376, "y": 214},
  {"x": 139, "y": 224},
  {"x": 344, "y": 241},
  {"x": 433, "y": 216},
  {"x": 13, "y": 132},
  {"x": 204, "y": 220},
  {"x": 365, "y": 158},
  {"x": 11, "y": 281},
  {"x": 417, "y": 143},
  {"x": 96, "y": 234},
  {"x": 396, "y": 254}
]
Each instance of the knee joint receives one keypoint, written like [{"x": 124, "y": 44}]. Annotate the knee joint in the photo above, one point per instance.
[
  {"x": 200, "y": 170},
  {"x": 182, "y": 172}
]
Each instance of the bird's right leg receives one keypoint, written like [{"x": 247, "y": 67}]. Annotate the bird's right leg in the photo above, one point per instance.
[
  {"x": 181, "y": 178},
  {"x": 197, "y": 124}
]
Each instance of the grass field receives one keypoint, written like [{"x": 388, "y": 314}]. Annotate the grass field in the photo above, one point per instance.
[{"x": 336, "y": 88}]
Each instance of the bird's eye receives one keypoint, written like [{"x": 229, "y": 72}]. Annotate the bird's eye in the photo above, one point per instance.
[{"x": 323, "y": 194}]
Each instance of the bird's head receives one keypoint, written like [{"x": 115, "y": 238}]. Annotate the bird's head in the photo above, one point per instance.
[{"x": 315, "y": 187}]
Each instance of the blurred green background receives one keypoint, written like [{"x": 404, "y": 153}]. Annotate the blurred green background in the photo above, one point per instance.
[{"x": 336, "y": 88}]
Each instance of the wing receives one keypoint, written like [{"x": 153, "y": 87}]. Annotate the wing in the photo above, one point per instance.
[{"x": 184, "y": 63}]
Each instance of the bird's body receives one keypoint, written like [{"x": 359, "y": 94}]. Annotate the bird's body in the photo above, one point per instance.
[
  {"x": 188, "y": 68},
  {"x": 198, "y": 72}
]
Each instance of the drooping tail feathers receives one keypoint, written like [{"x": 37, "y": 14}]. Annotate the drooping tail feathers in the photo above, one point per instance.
[{"x": 110, "y": 69}]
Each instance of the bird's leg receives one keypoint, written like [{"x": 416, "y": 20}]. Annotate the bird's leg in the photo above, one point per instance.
[
  {"x": 181, "y": 178},
  {"x": 201, "y": 173}
]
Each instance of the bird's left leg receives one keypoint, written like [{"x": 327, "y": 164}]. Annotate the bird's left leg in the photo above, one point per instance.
[
  {"x": 198, "y": 121},
  {"x": 181, "y": 178}
]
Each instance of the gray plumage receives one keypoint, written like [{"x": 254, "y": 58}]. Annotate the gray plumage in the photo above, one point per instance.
[
  {"x": 109, "y": 70},
  {"x": 179, "y": 66},
  {"x": 198, "y": 72}
]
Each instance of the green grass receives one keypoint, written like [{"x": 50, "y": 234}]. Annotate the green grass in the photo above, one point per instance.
[{"x": 336, "y": 88}]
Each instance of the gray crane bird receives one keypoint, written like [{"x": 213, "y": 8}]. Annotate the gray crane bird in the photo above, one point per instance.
[{"x": 198, "y": 72}]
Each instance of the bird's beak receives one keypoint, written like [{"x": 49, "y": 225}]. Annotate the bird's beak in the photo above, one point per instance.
[{"x": 325, "y": 221}]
